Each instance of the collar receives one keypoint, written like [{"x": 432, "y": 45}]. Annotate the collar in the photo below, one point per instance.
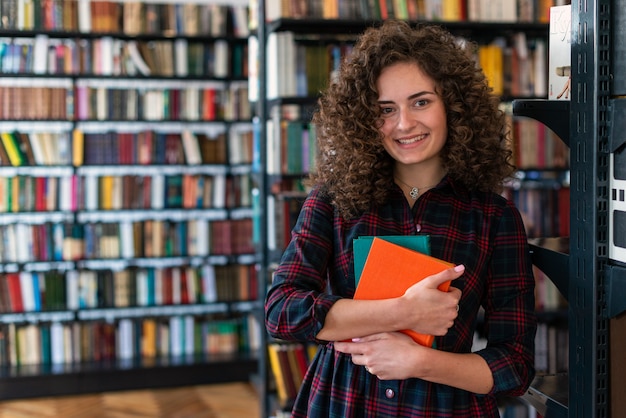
[
  {"x": 447, "y": 183},
  {"x": 458, "y": 188}
]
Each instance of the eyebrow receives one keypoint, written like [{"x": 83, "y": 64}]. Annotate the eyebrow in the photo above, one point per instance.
[{"x": 411, "y": 97}]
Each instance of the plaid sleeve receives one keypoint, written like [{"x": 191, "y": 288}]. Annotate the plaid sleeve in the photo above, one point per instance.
[
  {"x": 510, "y": 320},
  {"x": 297, "y": 302}
]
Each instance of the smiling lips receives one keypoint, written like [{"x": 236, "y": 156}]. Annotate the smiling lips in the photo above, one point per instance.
[{"x": 411, "y": 140}]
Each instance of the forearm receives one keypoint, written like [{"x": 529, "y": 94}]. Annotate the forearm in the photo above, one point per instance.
[
  {"x": 423, "y": 308},
  {"x": 349, "y": 318},
  {"x": 466, "y": 371},
  {"x": 392, "y": 356}
]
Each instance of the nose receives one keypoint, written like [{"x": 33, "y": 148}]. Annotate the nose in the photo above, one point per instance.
[{"x": 406, "y": 120}]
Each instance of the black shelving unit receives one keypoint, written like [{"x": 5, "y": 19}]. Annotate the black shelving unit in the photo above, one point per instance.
[{"x": 590, "y": 277}]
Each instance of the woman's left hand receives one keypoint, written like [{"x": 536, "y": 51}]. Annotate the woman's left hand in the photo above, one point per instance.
[{"x": 388, "y": 355}]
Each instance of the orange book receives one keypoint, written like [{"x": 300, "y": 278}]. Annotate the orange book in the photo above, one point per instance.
[{"x": 390, "y": 269}]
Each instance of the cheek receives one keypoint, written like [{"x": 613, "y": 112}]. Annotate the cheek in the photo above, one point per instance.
[
  {"x": 385, "y": 126},
  {"x": 388, "y": 143}
]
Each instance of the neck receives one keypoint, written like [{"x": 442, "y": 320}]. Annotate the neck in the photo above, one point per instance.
[
  {"x": 414, "y": 184},
  {"x": 421, "y": 179},
  {"x": 413, "y": 191}
]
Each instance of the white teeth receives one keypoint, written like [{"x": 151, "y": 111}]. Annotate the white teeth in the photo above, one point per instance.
[{"x": 411, "y": 140}]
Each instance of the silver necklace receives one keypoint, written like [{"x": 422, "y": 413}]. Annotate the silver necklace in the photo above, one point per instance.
[{"x": 415, "y": 191}]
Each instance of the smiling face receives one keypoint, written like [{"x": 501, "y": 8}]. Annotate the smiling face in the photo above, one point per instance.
[{"x": 413, "y": 118}]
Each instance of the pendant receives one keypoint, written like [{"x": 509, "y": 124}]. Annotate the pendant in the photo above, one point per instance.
[{"x": 414, "y": 192}]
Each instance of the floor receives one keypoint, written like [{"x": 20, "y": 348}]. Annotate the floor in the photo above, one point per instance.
[{"x": 231, "y": 400}]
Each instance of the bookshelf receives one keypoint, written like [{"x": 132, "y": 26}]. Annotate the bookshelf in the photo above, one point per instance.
[
  {"x": 126, "y": 252},
  {"x": 592, "y": 272},
  {"x": 286, "y": 97}
]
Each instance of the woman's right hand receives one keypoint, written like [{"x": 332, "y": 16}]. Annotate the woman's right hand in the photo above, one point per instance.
[{"x": 428, "y": 310}]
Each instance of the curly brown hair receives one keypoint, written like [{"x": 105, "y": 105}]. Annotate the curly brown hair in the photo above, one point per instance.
[{"x": 352, "y": 165}]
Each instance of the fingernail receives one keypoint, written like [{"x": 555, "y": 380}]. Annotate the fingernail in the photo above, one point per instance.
[{"x": 458, "y": 268}]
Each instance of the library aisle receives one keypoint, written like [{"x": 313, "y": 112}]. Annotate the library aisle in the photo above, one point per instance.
[{"x": 229, "y": 400}]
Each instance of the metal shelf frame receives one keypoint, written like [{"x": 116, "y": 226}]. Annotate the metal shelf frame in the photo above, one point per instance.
[
  {"x": 592, "y": 282},
  {"x": 589, "y": 192}
]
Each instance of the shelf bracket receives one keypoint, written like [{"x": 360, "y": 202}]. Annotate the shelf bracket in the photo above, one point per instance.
[
  {"x": 615, "y": 285},
  {"x": 555, "y": 114},
  {"x": 554, "y": 264},
  {"x": 548, "y": 394}
]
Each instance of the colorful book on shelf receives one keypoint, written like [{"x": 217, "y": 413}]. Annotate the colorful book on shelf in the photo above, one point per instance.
[
  {"x": 490, "y": 58},
  {"x": 15, "y": 292},
  {"x": 390, "y": 269},
  {"x": 11, "y": 145},
  {"x": 286, "y": 369}
]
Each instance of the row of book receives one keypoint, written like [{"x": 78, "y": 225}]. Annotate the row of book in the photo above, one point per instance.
[
  {"x": 536, "y": 146},
  {"x": 140, "y": 146},
  {"x": 548, "y": 298},
  {"x": 108, "y": 56},
  {"x": 19, "y": 100},
  {"x": 24, "y": 194},
  {"x": 551, "y": 348},
  {"x": 291, "y": 146},
  {"x": 184, "y": 102},
  {"x": 61, "y": 343},
  {"x": 35, "y": 148},
  {"x": 149, "y": 147},
  {"x": 155, "y": 238},
  {"x": 142, "y": 287},
  {"x": 289, "y": 362},
  {"x": 52, "y": 241},
  {"x": 514, "y": 66},
  {"x": 544, "y": 206},
  {"x": 300, "y": 69},
  {"x": 164, "y": 192},
  {"x": 283, "y": 211},
  {"x": 100, "y": 100},
  {"x": 129, "y": 17},
  {"x": 35, "y": 194},
  {"x": 433, "y": 10}
]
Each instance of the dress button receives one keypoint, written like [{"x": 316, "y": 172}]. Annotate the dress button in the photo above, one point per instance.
[
  {"x": 418, "y": 227},
  {"x": 389, "y": 393}
]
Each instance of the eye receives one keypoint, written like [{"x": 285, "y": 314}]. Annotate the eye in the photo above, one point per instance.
[
  {"x": 421, "y": 102},
  {"x": 386, "y": 110}
]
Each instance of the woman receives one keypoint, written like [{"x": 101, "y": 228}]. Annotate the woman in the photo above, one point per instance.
[{"x": 411, "y": 141}]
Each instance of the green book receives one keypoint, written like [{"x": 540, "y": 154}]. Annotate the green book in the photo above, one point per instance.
[
  {"x": 46, "y": 349},
  {"x": 361, "y": 248}
]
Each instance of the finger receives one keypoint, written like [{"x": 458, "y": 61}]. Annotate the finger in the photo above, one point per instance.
[
  {"x": 442, "y": 277},
  {"x": 344, "y": 347},
  {"x": 368, "y": 338},
  {"x": 347, "y": 347},
  {"x": 456, "y": 292}
]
